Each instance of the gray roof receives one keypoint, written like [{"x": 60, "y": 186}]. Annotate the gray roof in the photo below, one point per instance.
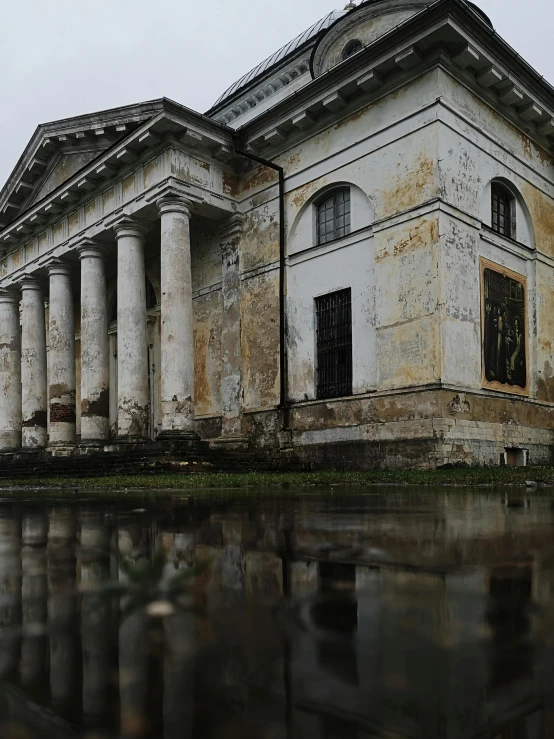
[{"x": 280, "y": 55}]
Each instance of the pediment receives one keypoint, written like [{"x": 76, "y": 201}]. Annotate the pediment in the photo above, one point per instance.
[
  {"x": 365, "y": 24},
  {"x": 58, "y": 150},
  {"x": 60, "y": 169}
]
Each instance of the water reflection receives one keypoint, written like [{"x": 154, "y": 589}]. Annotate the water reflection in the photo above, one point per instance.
[{"x": 384, "y": 616}]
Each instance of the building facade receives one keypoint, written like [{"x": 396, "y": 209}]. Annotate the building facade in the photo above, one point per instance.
[{"x": 348, "y": 261}]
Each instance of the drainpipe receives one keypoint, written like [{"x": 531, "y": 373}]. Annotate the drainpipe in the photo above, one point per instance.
[{"x": 283, "y": 399}]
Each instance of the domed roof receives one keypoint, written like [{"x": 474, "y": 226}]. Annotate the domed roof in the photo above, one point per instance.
[
  {"x": 304, "y": 39},
  {"x": 480, "y": 13},
  {"x": 272, "y": 61}
]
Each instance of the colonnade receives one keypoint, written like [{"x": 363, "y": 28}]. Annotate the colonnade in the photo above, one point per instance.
[{"x": 34, "y": 391}]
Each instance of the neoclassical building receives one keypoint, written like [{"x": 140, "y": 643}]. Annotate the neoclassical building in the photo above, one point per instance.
[{"x": 347, "y": 261}]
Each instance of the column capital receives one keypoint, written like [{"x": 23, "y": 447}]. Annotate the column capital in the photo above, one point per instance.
[
  {"x": 232, "y": 227},
  {"x": 174, "y": 204},
  {"x": 127, "y": 226},
  {"x": 8, "y": 295},
  {"x": 90, "y": 248},
  {"x": 28, "y": 282},
  {"x": 58, "y": 267}
]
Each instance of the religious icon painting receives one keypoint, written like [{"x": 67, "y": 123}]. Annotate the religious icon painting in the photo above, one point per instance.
[{"x": 505, "y": 345}]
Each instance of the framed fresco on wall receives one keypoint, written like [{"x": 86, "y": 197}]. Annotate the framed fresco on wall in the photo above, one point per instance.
[{"x": 504, "y": 329}]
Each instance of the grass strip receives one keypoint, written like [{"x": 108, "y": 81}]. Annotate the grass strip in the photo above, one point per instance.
[{"x": 458, "y": 476}]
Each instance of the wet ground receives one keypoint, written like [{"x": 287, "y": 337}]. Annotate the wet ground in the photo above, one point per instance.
[{"x": 327, "y": 616}]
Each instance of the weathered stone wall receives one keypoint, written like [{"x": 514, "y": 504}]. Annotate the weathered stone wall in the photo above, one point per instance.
[{"x": 423, "y": 158}]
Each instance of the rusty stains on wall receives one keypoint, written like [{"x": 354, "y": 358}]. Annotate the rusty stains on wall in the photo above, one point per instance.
[
  {"x": 541, "y": 209},
  {"x": 260, "y": 238},
  {"x": 260, "y": 340},
  {"x": 410, "y": 183},
  {"x": 207, "y": 354},
  {"x": 231, "y": 185},
  {"x": 257, "y": 178}
]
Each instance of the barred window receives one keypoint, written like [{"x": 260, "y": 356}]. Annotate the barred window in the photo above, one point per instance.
[
  {"x": 334, "y": 344},
  {"x": 333, "y": 216},
  {"x": 503, "y": 211}
]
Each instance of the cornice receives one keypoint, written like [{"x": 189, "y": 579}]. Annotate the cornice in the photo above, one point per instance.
[
  {"x": 447, "y": 30},
  {"x": 191, "y": 131}
]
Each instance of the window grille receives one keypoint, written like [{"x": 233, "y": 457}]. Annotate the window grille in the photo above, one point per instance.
[
  {"x": 334, "y": 344},
  {"x": 502, "y": 211},
  {"x": 333, "y": 216}
]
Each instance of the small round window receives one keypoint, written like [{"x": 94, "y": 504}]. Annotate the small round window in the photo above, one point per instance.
[{"x": 351, "y": 48}]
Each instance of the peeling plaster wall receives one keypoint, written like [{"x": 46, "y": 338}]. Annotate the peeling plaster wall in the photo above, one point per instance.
[
  {"x": 412, "y": 261},
  {"x": 207, "y": 307},
  {"x": 475, "y": 149}
]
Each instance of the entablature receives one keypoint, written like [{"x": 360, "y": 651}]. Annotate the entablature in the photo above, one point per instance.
[
  {"x": 168, "y": 145},
  {"x": 445, "y": 33}
]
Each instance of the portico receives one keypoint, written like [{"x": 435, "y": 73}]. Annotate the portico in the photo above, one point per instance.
[{"x": 128, "y": 227}]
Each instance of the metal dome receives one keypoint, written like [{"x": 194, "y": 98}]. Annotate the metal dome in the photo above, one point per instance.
[{"x": 279, "y": 56}]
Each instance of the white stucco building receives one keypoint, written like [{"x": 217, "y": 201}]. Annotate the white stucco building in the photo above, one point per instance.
[{"x": 348, "y": 260}]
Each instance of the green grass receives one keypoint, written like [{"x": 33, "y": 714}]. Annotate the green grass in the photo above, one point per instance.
[{"x": 459, "y": 476}]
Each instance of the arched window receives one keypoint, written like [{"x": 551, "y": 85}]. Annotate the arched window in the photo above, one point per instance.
[
  {"x": 503, "y": 219},
  {"x": 351, "y": 48},
  {"x": 333, "y": 216}
]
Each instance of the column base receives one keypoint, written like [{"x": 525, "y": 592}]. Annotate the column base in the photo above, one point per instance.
[
  {"x": 91, "y": 446},
  {"x": 231, "y": 442},
  {"x": 176, "y": 435},
  {"x": 61, "y": 450},
  {"x": 130, "y": 440}
]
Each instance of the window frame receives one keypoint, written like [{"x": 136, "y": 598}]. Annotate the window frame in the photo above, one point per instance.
[
  {"x": 328, "y": 203},
  {"x": 503, "y": 199},
  {"x": 352, "y": 47},
  {"x": 333, "y": 338}
]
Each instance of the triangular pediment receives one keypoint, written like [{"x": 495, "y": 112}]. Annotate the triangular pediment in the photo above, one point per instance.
[
  {"x": 58, "y": 150},
  {"x": 60, "y": 169}
]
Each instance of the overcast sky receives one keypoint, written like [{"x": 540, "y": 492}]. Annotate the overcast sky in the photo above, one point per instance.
[{"x": 60, "y": 58}]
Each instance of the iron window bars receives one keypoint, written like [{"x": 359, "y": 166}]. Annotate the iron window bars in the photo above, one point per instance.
[{"x": 334, "y": 344}]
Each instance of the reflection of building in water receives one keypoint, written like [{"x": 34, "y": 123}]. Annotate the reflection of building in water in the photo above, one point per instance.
[{"x": 400, "y": 620}]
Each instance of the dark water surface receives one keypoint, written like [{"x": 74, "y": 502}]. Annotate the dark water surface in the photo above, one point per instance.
[{"x": 327, "y": 616}]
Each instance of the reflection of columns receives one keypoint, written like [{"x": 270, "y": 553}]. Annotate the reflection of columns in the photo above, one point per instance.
[
  {"x": 95, "y": 612},
  {"x": 10, "y": 578},
  {"x": 33, "y": 365},
  {"x": 177, "y": 341},
  {"x": 133, "y": 642},
  {"x": 61, "y": 359},
  {"x": 95, "y": 424},
  {"x": 132, "y": 353},
  {"x": 180, "y": 645},
  {"x": 61, "y": 606},
  {"x": 10, "y": 372},
  {"x": 231, "y": 391},
  {"x": 34, "y": 593}
]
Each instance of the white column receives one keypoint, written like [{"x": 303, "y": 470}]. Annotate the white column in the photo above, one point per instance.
[
  {"x": 132, "y": 352},
  {"x": 34, "y": 397},
  {"x": 61, "y": 359},
  {"x": 10, "y": 371},
  {"x": 177, "y": 340},
  {"x": 95, "y": 407},
  {"x": 231, "y": 390}
]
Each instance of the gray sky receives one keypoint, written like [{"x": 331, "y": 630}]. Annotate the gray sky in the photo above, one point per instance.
[{"x": 60, "y": 58}]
